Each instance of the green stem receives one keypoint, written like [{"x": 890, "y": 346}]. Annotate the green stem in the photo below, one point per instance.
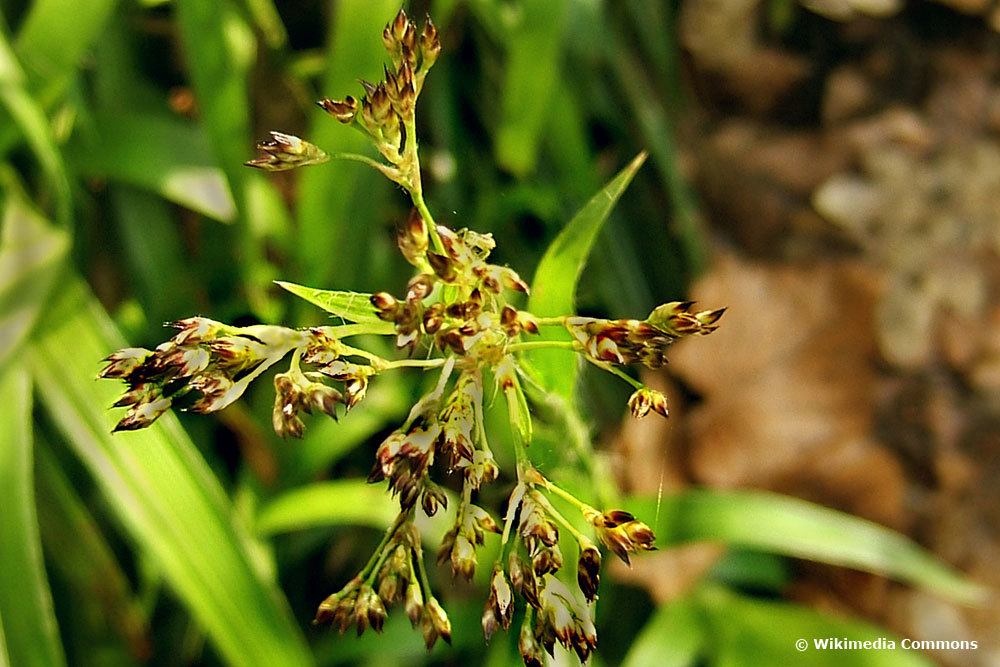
[
  {"x": 425, "y": 583},
  {"x": 568, "y": 497},
  {"x": 557, "y": 515},
  {"x": 604, "y": 366},
  {"x": 542, "y": 345},
  {"x": 387, "y": 171},
  {"x": 376, "y": 557},
  {"x": 377, "y": 361},
  {"x": 345, "y": 330},
  {"x": 551, "y": 321},
  {"x": 415, "y": 363},
  {"x": 418, "y": 200}
]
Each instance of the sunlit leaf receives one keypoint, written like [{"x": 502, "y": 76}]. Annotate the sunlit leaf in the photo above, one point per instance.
[
  {"x": 554, "y": 286},
  {"x": 349, "y": 502},
  {"x": 56, "y": 34},
  {"x": 351, "y": 306},
  {"x": 161, "y": 490},
  {"x": 28, "y": 622},
  {"x": 793, "y": 527}
]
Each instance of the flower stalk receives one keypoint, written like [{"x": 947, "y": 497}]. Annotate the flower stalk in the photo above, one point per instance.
[{"x": 456, "y": 315}]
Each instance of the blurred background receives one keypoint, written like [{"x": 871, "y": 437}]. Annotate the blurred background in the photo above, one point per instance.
[{"x": 826, "y": 169}]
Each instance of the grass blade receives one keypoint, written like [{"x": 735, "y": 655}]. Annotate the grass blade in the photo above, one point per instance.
[
  {"x": 350, "y": 502},
  {"x": 56, "y": 34},
  {"x": 30, "y": 120},
  {"x": 25, "y": 602},
  {"x": 331, "y": 244},
  {"x": 352, "y": 306},
  {"x": 162, "y": 491},
  {"x": 554, "y": 286},
  {"x": 745, "y": 631},
  {"x": 173, "y": 159},
  {"x": 80, "y": 554},
  {"x": 31, "y": 254},
  {"x": 534, "y": 50},
  {"x": 674, "y": 637},
  {"x": 785, "y": 525}
]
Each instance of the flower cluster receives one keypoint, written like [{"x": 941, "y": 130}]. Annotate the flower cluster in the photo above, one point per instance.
[{"x": 458, "y": 317}]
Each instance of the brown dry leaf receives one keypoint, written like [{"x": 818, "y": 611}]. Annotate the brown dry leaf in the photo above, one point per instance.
[
  {"x": 789, "y": 386},
  {"x": 748, "y": 172}
]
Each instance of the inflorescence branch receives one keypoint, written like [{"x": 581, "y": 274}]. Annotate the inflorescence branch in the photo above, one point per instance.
[{"x": 456, "y": 313}]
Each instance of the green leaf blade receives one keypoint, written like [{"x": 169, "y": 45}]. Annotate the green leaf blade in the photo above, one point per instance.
[
  {"x": 351, "y": 502},
  {"x": 781, "y": 524},
  {"x": 351, "y": 306},
  {"x": 554, "y": 287},
  {"x": 28, "y": 620},
  {"x": 31, "y": 257},
  {"x": 162, "y": 491}
]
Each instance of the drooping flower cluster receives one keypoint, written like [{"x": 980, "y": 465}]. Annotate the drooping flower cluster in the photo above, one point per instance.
[{"x": 457, "y": 317}]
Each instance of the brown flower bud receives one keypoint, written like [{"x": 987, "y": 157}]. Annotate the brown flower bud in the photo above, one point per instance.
[
  {"x": 430, "y": 45},
  {"x": 588, "y": 570},
  {"x": 414, "y": 604},
  {"x": 343, "y": 110},
  {"x": 419, "y": 287},
  {"x": 443, "y": 266},
  {"x": 285, "y": 151},
  {"x": 529, "y": 648},
  {"x": 412, "y": 238},
  {"x": 646, "y": 399},
  {"x": 123, "y": 362}
]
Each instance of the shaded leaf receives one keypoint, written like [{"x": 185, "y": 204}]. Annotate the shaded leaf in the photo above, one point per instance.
[
  {"x": 554, "y": 286},
  {"x": 793, "y": 527},
  {"x": 331, "y": 243},
  {"x": 534, "y": 50},
  {"x": 675, "y": 636},
  {"x": 745, "y": 631},
  {"x": 28, "y": 621},
  {"x": 31, "y": 254},
  {"x": 343, "y": 502},
  {"x": 30, "y": 120},
  {"x": 173, "y": 160},
  {"x": 162, "y": 491},
  {"x": 80, "y": 553}
]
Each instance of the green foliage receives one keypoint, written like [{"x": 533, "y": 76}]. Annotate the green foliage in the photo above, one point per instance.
[
  {"x": 553, "y": 291},
  {"x": 161, "y": 490},
  {"x": 243, "y": 530},
  {"x": 27, "y": 619}
]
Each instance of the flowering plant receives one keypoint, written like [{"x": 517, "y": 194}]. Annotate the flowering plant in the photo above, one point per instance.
[{"x": 458, "y": 318}]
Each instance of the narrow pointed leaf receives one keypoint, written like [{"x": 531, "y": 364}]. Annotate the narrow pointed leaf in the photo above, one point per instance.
[
  {"x": 28, "y": 622},
  {"x": 793, "y": 527},
  {"x": 162, "y": 491},
  {"x": 351, "y": 306},
  {"x": 746, "y": 631},
  {"x": 31, "y": 254},
  {"x": 79, "y": 552},
  {"x": 343, "y": 502},
  {"x": 554, "y": 287},
  {"x": 674, "y": 637}
]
